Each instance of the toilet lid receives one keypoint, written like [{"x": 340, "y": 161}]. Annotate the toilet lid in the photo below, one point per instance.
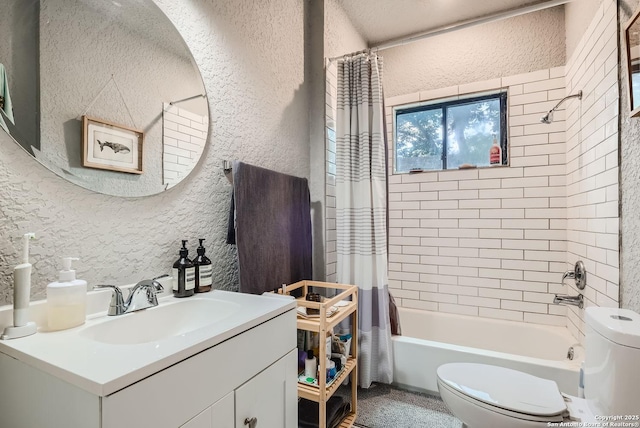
[{"x": 504, "y": 388}]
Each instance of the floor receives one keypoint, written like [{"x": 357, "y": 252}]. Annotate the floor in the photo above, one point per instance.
[{"x": 385, "y": 406}]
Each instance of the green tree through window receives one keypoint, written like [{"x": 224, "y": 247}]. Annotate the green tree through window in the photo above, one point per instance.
[{"x": 423, "y": 141}]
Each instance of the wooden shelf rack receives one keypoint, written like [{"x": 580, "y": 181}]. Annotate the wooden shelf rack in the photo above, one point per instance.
[{"x": 323, "y": 325}]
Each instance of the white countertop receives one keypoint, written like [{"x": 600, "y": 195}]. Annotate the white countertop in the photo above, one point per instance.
[{"x": 103, "y": 369}]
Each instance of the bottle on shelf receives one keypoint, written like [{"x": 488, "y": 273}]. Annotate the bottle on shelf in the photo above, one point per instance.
[
  {"x": 184, "y": 274},
  {"x": 203, "y": 271},
  {"x": 495, "y": 152},
  {"x": 310, "y": 365}
]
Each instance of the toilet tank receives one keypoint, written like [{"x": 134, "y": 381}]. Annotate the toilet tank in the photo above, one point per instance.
[{"x": 612, "y": 361}]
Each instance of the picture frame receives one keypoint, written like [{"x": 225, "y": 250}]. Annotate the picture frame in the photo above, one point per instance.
[{"x": 110, "y": 146}]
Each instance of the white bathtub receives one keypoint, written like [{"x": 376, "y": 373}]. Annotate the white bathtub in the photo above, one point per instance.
[{"x": 430, "y": 339}]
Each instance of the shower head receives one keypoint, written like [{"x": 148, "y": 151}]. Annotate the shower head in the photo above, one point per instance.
[{"x": 548, "y": 118}]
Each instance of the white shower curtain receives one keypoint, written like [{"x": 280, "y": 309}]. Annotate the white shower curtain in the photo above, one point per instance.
[{"x": 361, "y": 209}]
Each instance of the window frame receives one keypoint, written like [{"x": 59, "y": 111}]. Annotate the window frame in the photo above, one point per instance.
[{"x": 444, "y": 103}]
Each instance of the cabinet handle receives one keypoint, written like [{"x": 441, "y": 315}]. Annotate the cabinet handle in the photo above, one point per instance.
[{"x": 252, "y": 422}]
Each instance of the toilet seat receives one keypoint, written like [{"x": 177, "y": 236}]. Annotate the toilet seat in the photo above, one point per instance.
[{"x": 505, "y": 391}]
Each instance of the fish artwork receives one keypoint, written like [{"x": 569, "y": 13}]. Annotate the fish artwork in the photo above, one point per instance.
[{"x": 116, "y": 147}]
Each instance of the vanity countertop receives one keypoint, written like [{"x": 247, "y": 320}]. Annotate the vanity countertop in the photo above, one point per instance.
[{"x": 104, "y": 368}]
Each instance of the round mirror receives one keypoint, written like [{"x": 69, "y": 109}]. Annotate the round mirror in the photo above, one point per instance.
[{"x": 104, "y": 93}]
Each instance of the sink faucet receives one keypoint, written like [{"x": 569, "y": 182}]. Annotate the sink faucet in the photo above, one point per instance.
[
  {"x": 569, "y": 300},
  {"x": 143, "y": 295}
]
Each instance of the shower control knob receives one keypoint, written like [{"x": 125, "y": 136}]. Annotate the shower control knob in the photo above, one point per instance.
[{"x": 251, "y": 422}]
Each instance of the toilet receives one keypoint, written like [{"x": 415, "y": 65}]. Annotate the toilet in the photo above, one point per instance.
[{"x": 486, "y": 396}]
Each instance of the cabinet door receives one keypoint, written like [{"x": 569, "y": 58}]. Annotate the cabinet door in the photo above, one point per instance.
[
  {"x": 222, "y": 412},
  {"x": 220, "y": 415},
  {"x": 270, "y": 397},
  {"x": 203, "y": 420}
]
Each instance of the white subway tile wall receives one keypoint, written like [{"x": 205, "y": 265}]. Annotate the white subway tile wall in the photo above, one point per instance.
[
  {"x": 592, "y": 164},
  {"x": 494, "y": 242},
  {"x": 487, "y": 243},
  {"x": 184, "y": 136}
]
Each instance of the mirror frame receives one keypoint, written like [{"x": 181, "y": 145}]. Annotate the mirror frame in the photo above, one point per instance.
[{"x": 635, "y": 19}]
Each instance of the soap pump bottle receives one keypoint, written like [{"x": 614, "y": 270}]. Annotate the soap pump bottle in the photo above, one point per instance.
[
  {"x": 66, "y": 299},
  {"x": 495, "y": 152},
  {"x": 184, "y": 274},
  {"x": 204, "y": 271},
  {"x": 21, "y": 292}
]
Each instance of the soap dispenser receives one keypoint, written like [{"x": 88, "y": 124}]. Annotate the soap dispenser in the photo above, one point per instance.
[
  {"x": 204, "y": 271},
  {"x": 184, "y": 274},
  {"x": 21, "y": 292},
  {"x": 66, "y": 299}
]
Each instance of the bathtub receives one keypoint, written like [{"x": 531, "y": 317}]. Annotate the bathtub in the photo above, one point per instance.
[{"x": 430, "y": 339}]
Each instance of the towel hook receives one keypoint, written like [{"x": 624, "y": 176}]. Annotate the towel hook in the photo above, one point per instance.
[{"x": 227, "y": 167}]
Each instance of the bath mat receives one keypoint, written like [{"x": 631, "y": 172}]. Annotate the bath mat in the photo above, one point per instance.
[{"x": 385, "y": 406}]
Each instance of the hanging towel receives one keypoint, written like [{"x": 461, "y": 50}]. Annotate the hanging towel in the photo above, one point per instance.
[
  {"x": 394, "y": 316},
  {"x": 231, "y": 226},
  {"x": 5, "y": 105},
  {"x": 272, "y": 228}
]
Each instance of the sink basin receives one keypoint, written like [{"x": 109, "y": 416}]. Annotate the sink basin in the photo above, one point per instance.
[{"x": 166, "y": 320}]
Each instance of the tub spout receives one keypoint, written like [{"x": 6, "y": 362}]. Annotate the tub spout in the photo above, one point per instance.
[{"x": 569, "y": 300}]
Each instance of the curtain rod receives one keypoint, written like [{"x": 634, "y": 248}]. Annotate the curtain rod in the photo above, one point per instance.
[
  {"x": 356, "y": 53},
  {"x": 459, "y": 26},
  {"x": 470, "y": 23}
]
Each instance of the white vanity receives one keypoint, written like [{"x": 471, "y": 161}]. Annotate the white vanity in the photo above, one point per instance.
[{"x": 218, "y": 359}]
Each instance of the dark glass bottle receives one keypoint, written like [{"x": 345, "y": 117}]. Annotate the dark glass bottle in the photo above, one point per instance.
[
  {"x": 184, "y": 274},
  {"x": 204, "y": 271}
]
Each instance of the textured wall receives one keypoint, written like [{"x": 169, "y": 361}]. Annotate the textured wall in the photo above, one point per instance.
[
  {"x": 340, "y": 35},
  {"x": 503, "y": 48},
  {"x": 629, "y": 179},
  {"x": 251, "y": 57}
]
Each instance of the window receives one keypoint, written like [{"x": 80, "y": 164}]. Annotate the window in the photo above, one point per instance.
[{"x": 448, "y": 134}]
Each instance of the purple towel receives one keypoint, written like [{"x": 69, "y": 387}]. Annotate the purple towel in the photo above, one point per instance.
[{"x": 273, "y": 228}]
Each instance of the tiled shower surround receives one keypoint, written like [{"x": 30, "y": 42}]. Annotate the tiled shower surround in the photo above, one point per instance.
[
  {"x": 495, "y": 241},
  {"x": 489, "y": 241}
]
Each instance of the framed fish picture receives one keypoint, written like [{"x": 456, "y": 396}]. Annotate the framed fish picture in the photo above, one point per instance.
[{"x": 110, "y": 146}]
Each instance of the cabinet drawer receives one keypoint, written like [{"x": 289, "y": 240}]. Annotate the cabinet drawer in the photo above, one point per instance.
[{"x": 173, "y": 396}]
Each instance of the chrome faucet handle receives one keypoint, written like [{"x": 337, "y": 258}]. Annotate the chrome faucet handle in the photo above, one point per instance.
[
  {"x": 568, "y": 274},
  {"x": 152, "y": 291},
  {"x": 150, "y": 284},
  {"x": 579, "y": 274},
  {"x": 117, "y": 305},
  {"x": 135, "y": 301}
]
